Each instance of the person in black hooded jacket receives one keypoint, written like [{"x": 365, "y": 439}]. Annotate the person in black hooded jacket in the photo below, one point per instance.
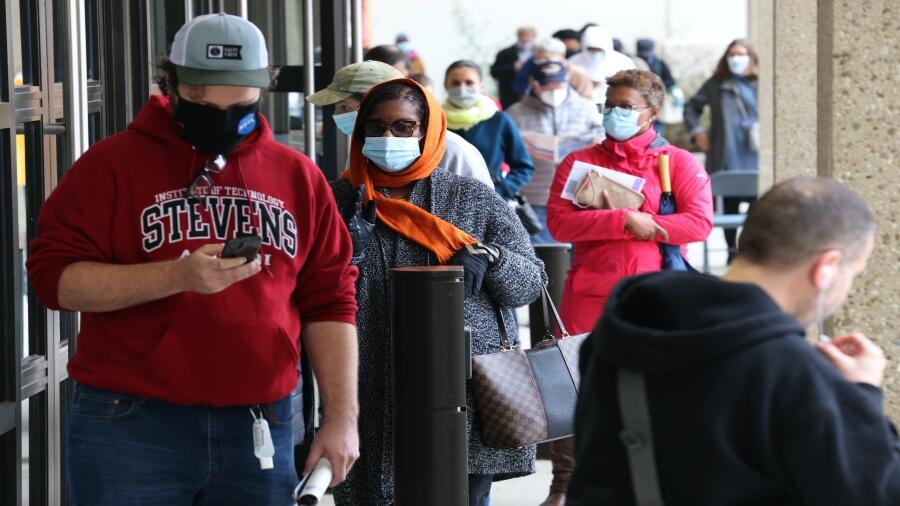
[{"x": 743, "y": 410}]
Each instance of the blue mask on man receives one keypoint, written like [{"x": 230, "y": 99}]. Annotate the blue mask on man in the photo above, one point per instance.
[
  {"x": 345, "y": 122},
  {"x": 621, "y": 124},
  {"x": 392, "y": 154}
]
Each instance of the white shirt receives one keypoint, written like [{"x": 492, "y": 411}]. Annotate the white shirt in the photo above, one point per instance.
[{"x": 464, "y": 159}]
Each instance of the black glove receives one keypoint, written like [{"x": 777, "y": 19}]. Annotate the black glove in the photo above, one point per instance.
[
  {"x": 361, "y": 224},
  {"x": 475, "y": 260}
]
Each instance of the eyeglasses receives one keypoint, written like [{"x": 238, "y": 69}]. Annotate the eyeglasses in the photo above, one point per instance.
[
  {"x": 608, "y": 108},
  {"x": 204, "y": 178},
  {"x": 375, "y": 128}
]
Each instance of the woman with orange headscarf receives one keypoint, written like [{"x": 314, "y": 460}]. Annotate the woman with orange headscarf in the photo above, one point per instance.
[{"x": 424, "y": 216}]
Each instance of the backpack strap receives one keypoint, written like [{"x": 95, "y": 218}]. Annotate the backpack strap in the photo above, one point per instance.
[{"x": 637, "y": 437}]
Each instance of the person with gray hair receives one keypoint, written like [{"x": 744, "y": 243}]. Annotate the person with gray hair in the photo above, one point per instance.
[
  {"x": 553, "y": 49},
  {"x": 739, "y": 407},
  {"x": 553, "y": 109},
  {"x": 509, "y": 61}
]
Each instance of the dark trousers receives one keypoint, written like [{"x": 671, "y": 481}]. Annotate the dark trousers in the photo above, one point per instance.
[
  {"x": 731, "y": 205},
  {"x": 480, "y": 489}
]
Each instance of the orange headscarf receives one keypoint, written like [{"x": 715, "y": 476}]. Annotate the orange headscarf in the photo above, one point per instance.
[{"x": 407, "y": 219}]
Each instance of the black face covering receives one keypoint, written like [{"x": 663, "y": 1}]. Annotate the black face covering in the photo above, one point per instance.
[{"x": 212, "y": 130}]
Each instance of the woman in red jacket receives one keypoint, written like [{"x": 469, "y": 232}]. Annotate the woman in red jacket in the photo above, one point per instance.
[{"x": 612, "y": 244}]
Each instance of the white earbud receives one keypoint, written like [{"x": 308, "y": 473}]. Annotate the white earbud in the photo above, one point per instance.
[{"x": 827, "y": 277}]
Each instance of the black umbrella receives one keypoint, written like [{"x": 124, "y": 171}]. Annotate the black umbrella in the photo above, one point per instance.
[{"x": 672, "y": 259}]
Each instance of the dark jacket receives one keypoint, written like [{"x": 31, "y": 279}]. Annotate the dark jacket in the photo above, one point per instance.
[
  {"x": 660, "y": 68},
  {"x": 743, "y": 410},
  {"x": 504, "y": 71},
  {"x": 498, "y": 140},
  {"x": 721, "y": 97}
]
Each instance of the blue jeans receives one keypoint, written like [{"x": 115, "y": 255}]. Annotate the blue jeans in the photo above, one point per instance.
[
  {"x": 542, "y": 237},
  {"x": 129, "y": 450}
]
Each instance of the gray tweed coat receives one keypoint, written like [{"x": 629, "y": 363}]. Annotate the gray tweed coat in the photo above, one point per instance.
[{"x": 515, "y": 280}]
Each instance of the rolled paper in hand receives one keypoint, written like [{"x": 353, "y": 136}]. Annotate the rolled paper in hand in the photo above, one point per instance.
[{"x": 310, "y": 491}]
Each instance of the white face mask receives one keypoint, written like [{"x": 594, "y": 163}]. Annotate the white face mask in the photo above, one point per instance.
[
  {"x": 554, "y": 98},
  {"x": 739, "y": 64}
]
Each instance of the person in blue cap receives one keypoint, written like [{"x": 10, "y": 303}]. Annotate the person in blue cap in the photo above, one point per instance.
[{"x": 552, "y": 107}]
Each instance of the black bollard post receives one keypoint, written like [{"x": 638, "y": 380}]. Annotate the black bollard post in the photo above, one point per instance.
[
  {"x": 556, "y": 260},
  {"x": 428, "y": 349}
]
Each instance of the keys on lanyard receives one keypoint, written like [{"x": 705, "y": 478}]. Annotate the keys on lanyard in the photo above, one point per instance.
[{"x": 263, "y": 447}]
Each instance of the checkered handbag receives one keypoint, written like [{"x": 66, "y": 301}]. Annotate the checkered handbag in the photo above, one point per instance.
[{"x": 527, "y": 397}]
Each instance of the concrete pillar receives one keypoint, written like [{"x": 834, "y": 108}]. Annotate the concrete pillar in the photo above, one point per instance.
[
  {"x": 831, "y": 71},
  {"x": 785, "y": 34},
  {"x": 859, "y": 144}
]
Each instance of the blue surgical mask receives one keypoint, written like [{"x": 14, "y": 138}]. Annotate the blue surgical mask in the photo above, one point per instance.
[
  {"x": 463, "y": 97},
  {"x": 621, "y": 124},
  {"x": 392, "y": 154},
  {"x": 345, "y": 122},
  {"x": 739, "y": 64}
]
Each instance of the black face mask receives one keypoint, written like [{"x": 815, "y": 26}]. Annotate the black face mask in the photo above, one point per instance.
[{"x": 212, "y": 130}]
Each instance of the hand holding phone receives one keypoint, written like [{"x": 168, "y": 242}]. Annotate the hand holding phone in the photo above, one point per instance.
[
  {"x": 204, "y": 271},
  {"x": 243, "y": 245}
]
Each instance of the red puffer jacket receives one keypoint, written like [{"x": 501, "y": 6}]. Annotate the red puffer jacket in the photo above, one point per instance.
[{"x": 604, "y": 252}]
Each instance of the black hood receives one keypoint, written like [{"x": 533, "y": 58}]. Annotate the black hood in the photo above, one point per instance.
[{"x": 671, "y": 321}]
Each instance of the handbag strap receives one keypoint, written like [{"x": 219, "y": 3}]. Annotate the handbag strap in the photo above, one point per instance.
[
  {"x": 546, "y": 301},
  {"x": 637, "y": 437},
  {"x": 501, "y": 326}
]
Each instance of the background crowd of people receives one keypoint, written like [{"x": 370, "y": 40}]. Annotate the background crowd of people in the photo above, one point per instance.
[{"x": 575, "y": 97}]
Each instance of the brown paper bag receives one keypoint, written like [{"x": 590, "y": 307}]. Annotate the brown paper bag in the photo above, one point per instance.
[{"x": 590, "y": 193}]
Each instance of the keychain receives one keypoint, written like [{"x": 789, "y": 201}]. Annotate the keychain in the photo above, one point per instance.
[{"x": 263, "y": 447}]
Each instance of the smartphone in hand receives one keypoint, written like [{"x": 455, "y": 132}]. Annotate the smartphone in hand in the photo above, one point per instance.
[{"x": 243, "y": 245}]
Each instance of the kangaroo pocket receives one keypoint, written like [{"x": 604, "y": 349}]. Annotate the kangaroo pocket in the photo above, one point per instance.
[{"x": 220, "y": 363}]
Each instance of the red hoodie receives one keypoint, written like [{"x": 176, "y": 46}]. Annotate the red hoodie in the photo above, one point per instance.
[
  {"x": 605, "y": 253},
  {"x": 122, "y": 203}
]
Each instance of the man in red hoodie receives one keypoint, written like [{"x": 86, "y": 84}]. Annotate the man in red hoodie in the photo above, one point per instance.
[{"x": 186, "y": 360}]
